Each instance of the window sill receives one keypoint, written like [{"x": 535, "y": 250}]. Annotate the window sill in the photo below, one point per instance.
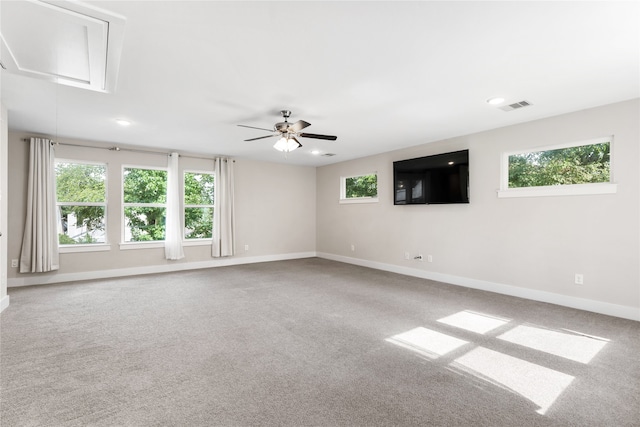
[
  {"x": 141, "y": 245},
  {"x": 197, "y": 242},
  {"x": 359, "y": 200},
  {"x": 560, "y": 190},
  {"x": 91, "y": 247},
  {"x": 126, "y": 246}
]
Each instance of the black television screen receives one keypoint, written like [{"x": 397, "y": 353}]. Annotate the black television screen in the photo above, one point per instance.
[{"x": 442, "y": 178}]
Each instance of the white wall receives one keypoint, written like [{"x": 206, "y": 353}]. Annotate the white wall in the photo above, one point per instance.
[
  {"x": 275, "y": 215},
  {"x": 529, "y": 247}
]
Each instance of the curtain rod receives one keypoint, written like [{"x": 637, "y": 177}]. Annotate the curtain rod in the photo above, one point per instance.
[{"x": 116, "y": 148}]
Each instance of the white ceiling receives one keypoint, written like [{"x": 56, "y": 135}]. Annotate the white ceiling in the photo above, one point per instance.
[{"x": 380, "y": 75}]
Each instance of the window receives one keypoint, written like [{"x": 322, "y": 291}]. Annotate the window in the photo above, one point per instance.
[
  {"x": 198, "y": 205},
  {"x": 145, "y": 209},
  {"x": 81, "y": 200},
  {"x": 359, "y": 188},
  {"x": 577, "y": 168}
]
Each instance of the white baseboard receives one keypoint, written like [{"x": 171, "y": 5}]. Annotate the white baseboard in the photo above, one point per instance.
[
  {"x": 104, "y": 274},
  {"x": 4, "y": 303},
  {"x": 625, "y": 312}
]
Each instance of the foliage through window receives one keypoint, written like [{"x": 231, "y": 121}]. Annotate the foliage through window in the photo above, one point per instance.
[
  {"x": 81, "y": 200},
  {"x": 581, "y": 164},
  {"x": 360, "y": 186},
  {"x": 145, "y": 209},
  {"x": 198, "y": 205}
]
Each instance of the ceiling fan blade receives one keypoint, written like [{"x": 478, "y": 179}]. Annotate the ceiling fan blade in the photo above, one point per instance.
[
  {"x": 260, "y": 137},
  {"x": 316, "y": 136},
  {"x": 299, "y": 125},
  {"x": 296, "y": 140},
  {"x": 253, "y": 127}
]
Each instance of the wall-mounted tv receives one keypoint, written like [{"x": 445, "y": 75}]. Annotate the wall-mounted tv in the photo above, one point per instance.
[{"x": 438, "y": 179}]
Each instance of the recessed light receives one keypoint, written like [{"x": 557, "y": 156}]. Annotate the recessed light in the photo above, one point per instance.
[
  {"x": 315, "y": 152},
  {"x": 495, "y": 101},
  {"x": 450, "y": 163},
  {"x": 123, "y": 122}
]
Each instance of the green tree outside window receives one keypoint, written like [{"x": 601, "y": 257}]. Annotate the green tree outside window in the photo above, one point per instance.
[
  {"x": 81, "y": 202},
  {"x": 145, "y": 198},
  {"x": 565, "y": 166},
  {"x": 361, "y": 186},
  {"x": 199, "y": 201}
]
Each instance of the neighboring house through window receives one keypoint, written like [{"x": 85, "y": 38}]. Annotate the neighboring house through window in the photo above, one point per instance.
[{"x": 81, "y": 199}]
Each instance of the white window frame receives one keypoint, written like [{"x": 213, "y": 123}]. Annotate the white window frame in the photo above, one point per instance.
[
  {"x": 88, "y": 247},
  {"x": 343, "y": 190},
  {"x": 123, "y": 221},
  {"x": 558, "y": 190},
  {"x": 196, "y": 242}
]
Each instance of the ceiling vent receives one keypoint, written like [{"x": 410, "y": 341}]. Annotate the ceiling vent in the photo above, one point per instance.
[
  {"x": 515, "y": 106},
  {"x": 328, "y": 154},
  {"x": 65, "y": 42}
]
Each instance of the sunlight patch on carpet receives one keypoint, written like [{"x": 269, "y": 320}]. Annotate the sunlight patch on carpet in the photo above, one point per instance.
[
  {"x": 427, "y": 342},
  {"x": 572, "y": 346},
  {"x": 540, "y": 385},
  {"x": 474, "y": 322}
]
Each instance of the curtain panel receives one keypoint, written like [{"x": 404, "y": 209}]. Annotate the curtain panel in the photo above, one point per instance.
[
  {"x": 223, "y": 216},
  {"x": 40, "y": 239},
  {"x": 173, "y": 228}
]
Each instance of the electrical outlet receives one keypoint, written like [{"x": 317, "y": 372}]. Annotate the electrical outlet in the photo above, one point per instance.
[
  {"x": 14, "y": 263},
  {"x": 579, "y": 279},
  {"x": 407, "y": 256},
  {"x": 429, "y": 258},
  {"x": 353, "y": 247},
  {"x": 246, "y": 247}
]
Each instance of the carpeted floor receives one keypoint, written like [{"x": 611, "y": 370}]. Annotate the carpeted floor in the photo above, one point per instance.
[{"x": 308, "y": 342}]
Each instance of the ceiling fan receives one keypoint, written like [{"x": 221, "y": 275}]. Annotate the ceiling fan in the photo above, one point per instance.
[{"x": 289, "y": 133}]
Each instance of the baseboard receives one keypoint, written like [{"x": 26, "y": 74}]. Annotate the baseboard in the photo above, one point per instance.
[
  {"x": 609, "y": 309},
  {"x": 165, "y": 268},
  {"x": 4, "y": 303}
]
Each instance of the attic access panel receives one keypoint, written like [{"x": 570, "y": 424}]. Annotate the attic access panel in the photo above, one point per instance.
[{"x": 62, "y": 41}]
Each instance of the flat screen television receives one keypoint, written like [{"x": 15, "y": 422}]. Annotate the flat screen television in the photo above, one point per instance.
[{"x": 438, "y": 179}]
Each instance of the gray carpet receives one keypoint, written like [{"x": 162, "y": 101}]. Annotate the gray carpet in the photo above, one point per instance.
[{"x": 308, "y": 342}]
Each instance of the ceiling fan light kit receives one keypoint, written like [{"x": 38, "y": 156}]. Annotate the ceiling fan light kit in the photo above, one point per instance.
[
  {"x": 286, "y": 145},
  {"x": 288, "y": 133}
]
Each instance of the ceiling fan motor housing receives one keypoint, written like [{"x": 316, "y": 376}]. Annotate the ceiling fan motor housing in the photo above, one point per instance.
[{"x": 282, "y": 126}]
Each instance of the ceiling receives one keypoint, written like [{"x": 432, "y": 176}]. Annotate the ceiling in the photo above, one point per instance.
[{"x": 380, "y": 75}]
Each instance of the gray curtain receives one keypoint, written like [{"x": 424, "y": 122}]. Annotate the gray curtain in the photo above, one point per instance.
[
  {"x": 40, "y": 239},
  {"x": 223, "y": 216}
]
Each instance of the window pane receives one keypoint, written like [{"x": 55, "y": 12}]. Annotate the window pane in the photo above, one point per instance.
[
  {"x": 198, "y": 223},
  {"x": 361, "y": 186},
  {"x": 145, "y": 185},
  {"x": 144, "y": 224},
  {"x": 81, "y": 224},
  {"x": 575, "y": 165},
  {"x": 198, "y": 188},
  {"x": 77, "y": 182}
]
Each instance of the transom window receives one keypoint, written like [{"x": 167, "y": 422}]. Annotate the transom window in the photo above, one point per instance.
[
  {"x": 145, "y": 204},
  {"x": 81, "y": 200},
  {"x": 199, "y": 191},
  {"x": 359, "y": 188},
  {"x": 576, "y": 168}
]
